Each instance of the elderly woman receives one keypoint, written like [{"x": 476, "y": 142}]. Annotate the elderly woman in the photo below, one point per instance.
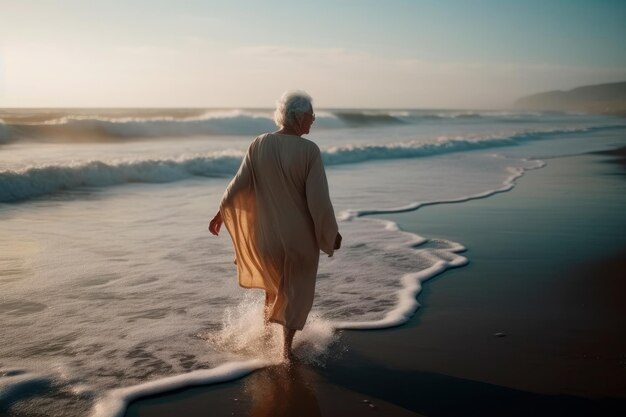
[{"x": 279, "y": 216}]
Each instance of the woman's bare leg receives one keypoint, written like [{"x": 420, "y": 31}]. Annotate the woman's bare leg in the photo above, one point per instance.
[
  {"x": 269, "y": 300},
  {"x": 288, "y": 333},
  {"x": 287, "y": 351}
]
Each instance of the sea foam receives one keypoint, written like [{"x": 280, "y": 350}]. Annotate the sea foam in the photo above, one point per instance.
[{"x": 114, "y": 403}]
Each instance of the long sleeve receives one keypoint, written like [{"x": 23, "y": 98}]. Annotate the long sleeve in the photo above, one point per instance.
[
  {"x": 320, "y": 206},
  {"x": 241, "y": 181},
  {"x": 239, "y": 212}
]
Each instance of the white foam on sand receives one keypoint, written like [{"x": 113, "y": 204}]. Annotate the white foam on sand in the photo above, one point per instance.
[
  {"x": 508, "y": 184},
  {"x": 114, "y": 403},
  {"x": 407, "y": 303}
]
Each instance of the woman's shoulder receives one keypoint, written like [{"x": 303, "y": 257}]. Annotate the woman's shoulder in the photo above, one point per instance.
[
  {"x": 293, "y": 140},
  {"x": 259, "y": 140},
  {"x": 262, "y": 137},
  {"x": 309, "y": 142},
  {"x": 307, "y": 147}
]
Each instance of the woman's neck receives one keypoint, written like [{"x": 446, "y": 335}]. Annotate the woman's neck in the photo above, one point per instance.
[{"x": 288, "y": 131}]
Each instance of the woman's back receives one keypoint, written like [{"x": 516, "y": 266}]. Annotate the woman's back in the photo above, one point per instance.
[{"x": 280, "y": 165}]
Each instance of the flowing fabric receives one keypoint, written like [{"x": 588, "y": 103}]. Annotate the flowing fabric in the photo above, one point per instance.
[{"x": 279, "y": 215}]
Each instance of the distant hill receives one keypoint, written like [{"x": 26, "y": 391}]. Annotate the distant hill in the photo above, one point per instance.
[{"x": 600, "y": 98}]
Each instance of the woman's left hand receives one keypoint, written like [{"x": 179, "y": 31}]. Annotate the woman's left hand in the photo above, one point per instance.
[{"x": 216, "y": 224}]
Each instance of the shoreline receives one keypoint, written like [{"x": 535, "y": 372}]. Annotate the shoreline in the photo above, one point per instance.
[{"x": 553, "y": 356}]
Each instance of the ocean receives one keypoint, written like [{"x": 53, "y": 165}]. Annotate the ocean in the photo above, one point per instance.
[{"x": 111, "y": 287}]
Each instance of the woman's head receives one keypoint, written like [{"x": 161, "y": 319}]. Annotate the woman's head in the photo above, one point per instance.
[{"x": 294, "y": 109}]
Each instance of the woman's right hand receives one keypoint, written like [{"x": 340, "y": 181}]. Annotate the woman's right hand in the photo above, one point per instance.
[{"x": 338, "y": 241}]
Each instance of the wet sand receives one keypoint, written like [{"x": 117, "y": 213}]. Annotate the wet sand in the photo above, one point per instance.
[{"x": 533, "y": 326}]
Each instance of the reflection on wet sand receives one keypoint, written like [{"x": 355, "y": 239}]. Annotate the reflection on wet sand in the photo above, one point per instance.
[{"x": 282, "y": 390}]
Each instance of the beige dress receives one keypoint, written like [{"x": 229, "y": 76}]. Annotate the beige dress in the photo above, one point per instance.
[{"x": 279, "y": 215}]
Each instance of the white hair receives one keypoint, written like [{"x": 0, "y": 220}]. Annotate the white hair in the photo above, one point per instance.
[{"x": 290, "y": 103}]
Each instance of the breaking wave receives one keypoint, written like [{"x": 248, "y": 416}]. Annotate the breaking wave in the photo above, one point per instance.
[
  {"x": 117, "y": 125},
  {"x": 89, "y": 128},
  {"x": 36, "y": 181}
]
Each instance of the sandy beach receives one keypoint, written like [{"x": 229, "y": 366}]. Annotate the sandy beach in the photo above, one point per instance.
[{"x": 533, "y": 326}]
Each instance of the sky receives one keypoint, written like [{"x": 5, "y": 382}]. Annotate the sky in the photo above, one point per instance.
[{"x": 345, "y": 53}]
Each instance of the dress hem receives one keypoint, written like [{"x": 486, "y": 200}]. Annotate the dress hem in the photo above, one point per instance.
[{"x": 284, "y": 325}]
